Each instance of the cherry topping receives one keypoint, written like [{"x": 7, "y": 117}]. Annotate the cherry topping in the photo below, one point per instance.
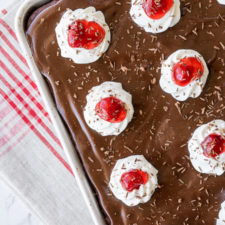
[
  {"x": 213, "y": 145},
  {"x": 156, "y": 9},
  {"x": 111, "y": 109},
  {"x": 187, "y": 70},
  {"x": 133, "y": 179},
  {"x": 85, "y": 34}
]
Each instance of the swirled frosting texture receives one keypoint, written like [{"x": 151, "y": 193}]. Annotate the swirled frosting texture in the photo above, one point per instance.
[
  {"x": 170, "y": 19},
  {"x": 81, "y": 55},
  {"x": 222, "y": 2},
  {"x": 221, "y": 219},
  {"x": 199, "y": 161},
  {"x": 144, "y": 193},
  {"x": 194, "y": 88},
  {"x": 107, "y": 89}
]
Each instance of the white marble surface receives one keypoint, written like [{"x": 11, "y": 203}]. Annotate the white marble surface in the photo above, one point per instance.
[{"x": 13, "y": 211}]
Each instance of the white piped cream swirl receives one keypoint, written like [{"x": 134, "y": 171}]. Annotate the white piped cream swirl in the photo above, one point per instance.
[
  {"x": 221, "y": 219},
  {"x": 170, "y": 19},
  {"x": 81, "y": 55},
  {"x": 194, "y": 88},
  {"x": 107, "y": 89},
  {"x": 222, "y": 2},
  {"x": 144, "y": 193},
  {"x": 199, "y": 161}
]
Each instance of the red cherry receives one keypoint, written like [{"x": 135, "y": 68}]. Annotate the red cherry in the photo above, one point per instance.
[
  {"x": 187, "y": 70},
  {"x": 213, "y": 145},
  {"x": 111, "y": 109},
  {"x": 85, "y": 34},
  {"x": 156, "y": 9},
  {"x": 133, "y": 179}
]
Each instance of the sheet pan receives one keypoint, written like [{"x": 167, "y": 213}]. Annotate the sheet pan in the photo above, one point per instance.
[{"x": 60, "y": 128}]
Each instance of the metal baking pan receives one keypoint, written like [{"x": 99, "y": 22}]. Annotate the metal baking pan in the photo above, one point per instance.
[{"x": 60, "y": 128}]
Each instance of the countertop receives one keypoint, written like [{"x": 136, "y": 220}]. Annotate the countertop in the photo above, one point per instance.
[{"x": 13, "y": 211}]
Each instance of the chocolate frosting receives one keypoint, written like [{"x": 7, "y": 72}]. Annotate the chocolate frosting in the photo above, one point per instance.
[{"x": 161, "y": 126}]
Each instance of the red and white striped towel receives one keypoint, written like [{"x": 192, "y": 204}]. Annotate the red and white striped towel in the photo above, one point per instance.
[{"x": 32, "y": 161}]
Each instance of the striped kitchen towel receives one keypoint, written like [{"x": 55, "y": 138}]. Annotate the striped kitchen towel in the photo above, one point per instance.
[{"x": 32, "y": 161}]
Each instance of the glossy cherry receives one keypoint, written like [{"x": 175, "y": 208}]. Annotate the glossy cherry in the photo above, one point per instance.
[
  {"x": 213, "y": 145},
  {"x": 85, "y": 34},
  {"x": 187, "y": 70},
  {"x": 111, "y": 109},
  {"x": 156, "y": 9},
  {"x": 133, "y": 179}
]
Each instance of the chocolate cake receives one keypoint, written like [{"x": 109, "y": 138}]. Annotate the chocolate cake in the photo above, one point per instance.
[{"x": 161, "y": 126}]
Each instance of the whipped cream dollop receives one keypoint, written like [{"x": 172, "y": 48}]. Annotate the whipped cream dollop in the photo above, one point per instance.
[
  {"x": 170, "y": 19},
  {"x": 203, "y": 164},
  {"x": 107, "y": 89},
  {"x": 194, "y": 88},
  {"x": 221, "y": 219},
  {"x": 221, "y": 2},
  {"x": 137, "y": 196},
  {"x": 81, "y": 55}
]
